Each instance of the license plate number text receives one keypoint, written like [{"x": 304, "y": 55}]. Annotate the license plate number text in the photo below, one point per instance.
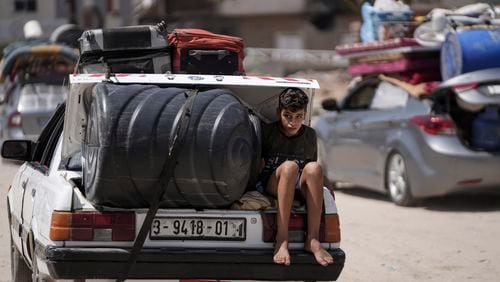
[{"x": 198, "y": 228}]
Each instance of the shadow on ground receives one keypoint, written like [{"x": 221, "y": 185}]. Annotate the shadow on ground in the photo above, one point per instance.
[
  {"x": 456, "y": 203},
  {"x": 361, "y": 192},
  {"x": 463, "y": 203}
]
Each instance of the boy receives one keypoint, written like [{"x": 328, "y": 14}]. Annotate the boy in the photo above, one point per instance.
[{"x": 289, "y": 155}]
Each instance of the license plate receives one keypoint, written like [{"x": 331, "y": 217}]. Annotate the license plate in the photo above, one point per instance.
[{"x": 198, "y": 228}]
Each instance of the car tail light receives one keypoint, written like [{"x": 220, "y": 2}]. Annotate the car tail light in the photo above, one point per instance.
[
  {"x": 470, "y": 181},
  {"x": 92, "y": 226},
  {"x": 465, "y": 86},
  {"x": 329, "y": 230},
  {"x": 332, "y": 228},
  {"x": 268, "y": 227},
  {"x": 296, "y": 227},
  {"x": 434, "y": 125},
  {"x": 14, "y": 120}
]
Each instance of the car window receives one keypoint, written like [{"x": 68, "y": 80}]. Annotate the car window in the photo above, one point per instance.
[
  {"x": 45, "y": 145},
  {"x": 388, "y": 96},
  {"x": 416, "y": 105},
  {"x": 12, "y": 97},
  {"x": 361, "y": 98},
  {"x": 39, "y": 96},
  {"x": 51, "y": 144}
]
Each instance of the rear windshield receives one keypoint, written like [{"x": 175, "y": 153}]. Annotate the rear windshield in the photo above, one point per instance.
[{"x": 37, "y": 96}]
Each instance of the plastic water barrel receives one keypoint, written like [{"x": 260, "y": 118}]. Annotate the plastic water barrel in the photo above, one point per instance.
[
  {"x": 470, "y": 50},
  {"x": 486, "y": 129},
  {"x": 129, "y": 131}
]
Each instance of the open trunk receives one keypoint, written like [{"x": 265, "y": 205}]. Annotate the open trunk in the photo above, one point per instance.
[
  {"x": 474, "y": 106},
  {"x": 125, "y": 131}
]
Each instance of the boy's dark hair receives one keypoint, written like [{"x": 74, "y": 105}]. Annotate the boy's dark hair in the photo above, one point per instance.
[{"x": 293, "y": 99}]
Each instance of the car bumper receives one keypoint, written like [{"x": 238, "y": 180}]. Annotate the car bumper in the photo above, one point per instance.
[
  {"x": 439, "y": 172},
  {"x": 107, "y": 263}
]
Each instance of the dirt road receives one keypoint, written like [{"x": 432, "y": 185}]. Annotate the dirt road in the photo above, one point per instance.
[
  {"x": 7, "y": 170},
  {"x": 448, "y": 239}
]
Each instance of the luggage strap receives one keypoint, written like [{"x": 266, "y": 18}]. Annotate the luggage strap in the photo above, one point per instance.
[{"x": 165, "y": 176}]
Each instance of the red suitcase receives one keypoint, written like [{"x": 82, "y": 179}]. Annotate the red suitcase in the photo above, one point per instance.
[{"x": 197, "y": 51}]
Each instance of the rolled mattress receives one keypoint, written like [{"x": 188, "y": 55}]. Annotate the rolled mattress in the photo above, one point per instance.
[{"x": 396, "y": 66}]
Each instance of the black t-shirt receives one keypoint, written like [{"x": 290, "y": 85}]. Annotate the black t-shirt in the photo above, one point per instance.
[{"x": 277, "y": 147}]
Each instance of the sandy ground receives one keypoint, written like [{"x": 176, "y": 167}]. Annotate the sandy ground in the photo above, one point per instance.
[
  {"x": 453, "y": 238},
  {"x": 7, "y": 170}
]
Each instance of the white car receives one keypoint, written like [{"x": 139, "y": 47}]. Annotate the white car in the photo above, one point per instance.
[{"x": 59, "y": 232}]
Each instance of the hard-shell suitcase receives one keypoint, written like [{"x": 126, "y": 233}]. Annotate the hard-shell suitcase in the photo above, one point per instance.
[
  {"x": 136, "y": 49},
  {"x": 197, "y": 51}
]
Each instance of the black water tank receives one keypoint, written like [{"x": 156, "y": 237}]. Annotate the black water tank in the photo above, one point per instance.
[{"x": 129, "y": 131}]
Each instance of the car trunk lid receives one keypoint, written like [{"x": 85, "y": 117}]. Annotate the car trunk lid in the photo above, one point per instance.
[
  {"x": 477, "y": 88},
  {"x": 473, "y": 102}
]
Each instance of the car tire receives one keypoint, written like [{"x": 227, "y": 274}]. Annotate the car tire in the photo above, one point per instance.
[
  {"x": 20, "y": 271},
  {"x": 397, "y": 181}
]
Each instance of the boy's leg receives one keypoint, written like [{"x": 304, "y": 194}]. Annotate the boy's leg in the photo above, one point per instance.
[
  {"x": 311, "y": 183},
  {"x": 281, "y": 184}
]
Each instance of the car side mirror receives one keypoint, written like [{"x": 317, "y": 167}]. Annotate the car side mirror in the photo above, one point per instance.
[
  {"x": 17, "y": 150},
  {"x": 330, "y": 104}
]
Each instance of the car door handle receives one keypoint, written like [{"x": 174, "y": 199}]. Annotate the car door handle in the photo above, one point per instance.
[
  {"x": 33, "y": 193},
  {"x": 24, "y": 183}
]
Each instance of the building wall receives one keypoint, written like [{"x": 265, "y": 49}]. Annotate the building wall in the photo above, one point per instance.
[
  {"x": 12, "y": 22},
  {"x": 260, "y": 7},
  {"x": 286, "y": 31}
]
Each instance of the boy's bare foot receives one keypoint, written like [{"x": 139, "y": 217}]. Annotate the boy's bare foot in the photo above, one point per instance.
[
  {"x": 321, "y": 255},
  {"x": 281, "y": 255}
]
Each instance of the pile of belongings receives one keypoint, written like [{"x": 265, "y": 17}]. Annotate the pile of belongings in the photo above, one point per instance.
[
  {"x": 37, "y": 55},
  {"x": 253, "y": 200},
  {"x": 422, "y": 51}
]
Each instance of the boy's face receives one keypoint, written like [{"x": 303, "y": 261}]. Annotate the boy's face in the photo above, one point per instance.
[{"x": 291, "y": 121}]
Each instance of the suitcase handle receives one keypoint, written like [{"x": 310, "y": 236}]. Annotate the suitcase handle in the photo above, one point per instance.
[{"x": 200, "y": 53}]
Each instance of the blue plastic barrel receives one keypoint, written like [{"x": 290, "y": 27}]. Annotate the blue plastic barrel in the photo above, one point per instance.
[{"x": 470, "y": 50}]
